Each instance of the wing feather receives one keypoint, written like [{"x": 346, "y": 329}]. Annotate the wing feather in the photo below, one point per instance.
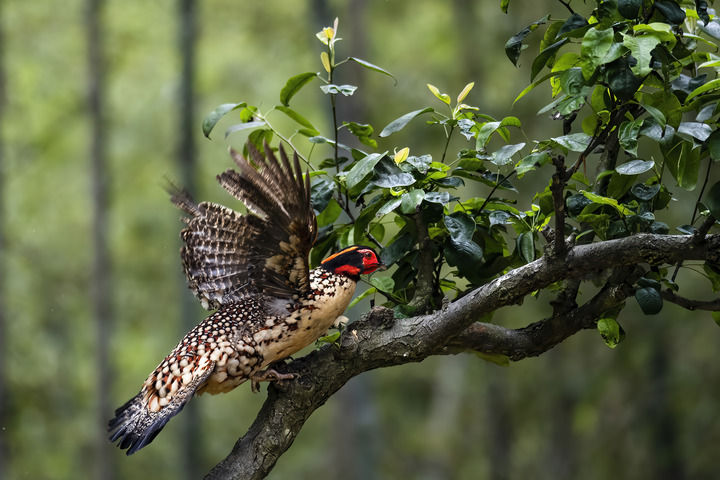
[{"x": 225, "y": 252}]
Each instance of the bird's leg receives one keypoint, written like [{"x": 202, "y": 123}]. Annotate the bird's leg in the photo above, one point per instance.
[{"x": 268, "y": 375}]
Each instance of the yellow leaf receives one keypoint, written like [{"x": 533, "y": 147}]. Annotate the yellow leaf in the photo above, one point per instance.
[
  {"x": 401, "y": 155},
  {"x": 443, "y": 97},
  {"x": 325, "y": 59},
  {"x": 465, "y": 92}
]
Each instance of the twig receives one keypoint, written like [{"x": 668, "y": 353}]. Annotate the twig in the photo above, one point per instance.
[
  {"x": 495, "y": 188},
  {"x": 709, "y": 305},
  {"x": 557, "y": 188},
  {"x": 567, "y": 5}
]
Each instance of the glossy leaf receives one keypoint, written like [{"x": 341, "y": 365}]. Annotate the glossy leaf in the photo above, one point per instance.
[
  {"x": 293, "y": 85},
  {"x": 671, "y": 10},
  {"x": 400, "y": 123},
  {"x": 635, "y": 167},
  {"x": 526, "y": 246},
  {"x": 649, "y": 300},
  {"x": 629, "y": 8},
  {"x": 645, "y": 192},
  {"x": 504, "y": 154},
  {"x": 514, "y": 45},
  {"x": 575, "y": 142},
  {"x": 373, "y": 67},
  {"x": 214, "y": 117},
  {"x": 388, "y": 175},
  {"x": 640, "y": 48},
  {"x": 297, "y": 117},
  {"x": 362, "y": 169},
  {"x": 610, "y": 331},
  {"x": 712, "y": 200},
  {"x": 410, "y": 201},
  {"x": 346, "y": 90}
]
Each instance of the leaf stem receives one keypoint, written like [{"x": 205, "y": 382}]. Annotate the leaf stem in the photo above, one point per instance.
[{"x": 447, "y": 143}]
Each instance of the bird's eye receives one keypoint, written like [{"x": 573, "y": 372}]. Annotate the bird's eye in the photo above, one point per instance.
[{"x": 367, "y": 254}]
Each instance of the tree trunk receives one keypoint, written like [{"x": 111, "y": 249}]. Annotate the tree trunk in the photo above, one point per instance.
[
  {"x": 191, "y": 451},
  {"x": 101, "y": 275},
  {"x": 4, "y": 391}
]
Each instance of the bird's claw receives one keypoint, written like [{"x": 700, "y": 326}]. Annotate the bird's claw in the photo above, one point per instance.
[{"x": 269, "y": 375}]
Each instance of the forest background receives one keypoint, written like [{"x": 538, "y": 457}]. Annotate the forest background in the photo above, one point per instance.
[{"x": 81, "y": 327}]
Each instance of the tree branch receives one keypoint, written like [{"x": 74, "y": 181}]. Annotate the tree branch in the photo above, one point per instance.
[
  {"x": 378, "y": 341},
  {"x": 709, "y": 305}
]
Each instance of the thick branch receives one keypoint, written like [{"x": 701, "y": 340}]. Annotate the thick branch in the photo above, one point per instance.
[
  {"x": 377, "y": 341},
  {"x": 424, "y": 283}
]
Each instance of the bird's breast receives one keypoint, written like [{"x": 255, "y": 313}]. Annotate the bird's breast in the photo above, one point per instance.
[{"x": 327, "y": 299}]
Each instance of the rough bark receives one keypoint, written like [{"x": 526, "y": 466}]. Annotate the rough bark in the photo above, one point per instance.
[{"x": 380, "y": 341}]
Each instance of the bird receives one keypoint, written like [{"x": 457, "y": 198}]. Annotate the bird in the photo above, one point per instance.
[{"x": 252, "y": 270}]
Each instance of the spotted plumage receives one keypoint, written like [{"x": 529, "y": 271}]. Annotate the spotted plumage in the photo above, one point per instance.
[{"x": 253, "y": 270}]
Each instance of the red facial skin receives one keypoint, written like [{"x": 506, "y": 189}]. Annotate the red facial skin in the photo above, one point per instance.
[{"x": 370, "y": 261}]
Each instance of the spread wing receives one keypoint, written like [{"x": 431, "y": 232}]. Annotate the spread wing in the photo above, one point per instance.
[{"x": 226, "y": 252}]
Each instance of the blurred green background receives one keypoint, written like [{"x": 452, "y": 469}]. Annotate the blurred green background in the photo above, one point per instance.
[{"x": 645, "y": 410}]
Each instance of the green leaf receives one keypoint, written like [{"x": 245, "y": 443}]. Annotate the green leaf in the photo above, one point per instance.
[
  {"x": 443, "y": 97},
  {"x": 389, "y": 206},
  {"x": 514, "y": 45},
  {"x": 531, "y": 162},
  {"x": 362, "y": 169},
  {"x": 635, "y": 167},
  {"x": 214, "y": 117},
  {"x": 571, "y": 26},
  {"x": 621, "y": 79},
  {"x": 411, "y": 200},
  {"x": 504, "y": 4},
  {"x": 713, "y": 275},
  {"x": 346, "y": 90},
  {"x": 596, "y": 45},
  {"x": 363, "y": 295},
  {"x": 629, "y": 8},
  {"x": 698, "y": 130},
  {"x": 716, "y": 317},
  {"x": 671, "y": 10},
  {"x": 645, "y": 192},
  {"x": 297, "y": 117},
  {"x": 709, "y": 86},
  {"x": 243, "y": 126},
  {"x": 712, "y": 200},
  {"x": 610, "y": 331},
  {"x": 526, "y": 246},
  {"x": 388, "y": 175},
  {"x": 293, "y": 85},
  {"x": 383, "y": 284},
  {"x": 331, "y": 338},
  {"x": 655, "y": 113},
  {"x": 640, "y": 48},
  {"x": 399, "y": 123},
  {"x": 544, "y": 56},
  {"x": 330, "y": 214},
  {"x": 575, "y": 142},
  {"x": 504, "y": 154},
  {"x": 649, "y": 300},
  {"x": 714, "y": 145},
  {"x": 628, "y": 135},
  {"x": 607, "y": 201},
  {"x": 373, "y": 67},
  {"x": 321, "y": 191},
  {"x": 437, "y": 197},
  {"x": 460, "y": 226}
]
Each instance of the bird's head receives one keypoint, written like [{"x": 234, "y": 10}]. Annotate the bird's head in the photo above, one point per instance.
[{"x": 353, "y": 261}]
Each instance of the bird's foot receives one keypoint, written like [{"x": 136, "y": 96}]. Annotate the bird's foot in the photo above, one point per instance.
[{"x": 269, "y": 375}]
